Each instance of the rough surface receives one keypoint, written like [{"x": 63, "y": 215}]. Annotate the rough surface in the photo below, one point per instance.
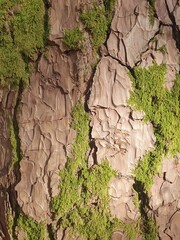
[
  {"x": 45, "y": 114},
  {"x": 117, "y": 133},
  {"x": 166, "y": 198},
  {"x": 7, "y": 178}
]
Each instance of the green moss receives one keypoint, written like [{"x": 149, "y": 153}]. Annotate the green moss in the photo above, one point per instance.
[
  {"x": 73, "y": 38},
  {"x": 12, "y": 68},
  {"x": 96, "y": 23},
  {"x": 147, "y": 168},
  {"x": 10, "y": 222},
  {"x": 150, "y": 230},
  {"x": 32, "y": 229},
  {"x": 132, "y": 230},
  {"x": 151, "y": 12},
  {"x": 21, "y": 35},
  {"x": 162, "y": 108},
  {"x": 82, "y": 204},
  {"x": 136, "y": 200},
  {"x": 13, "y": 142},
  {"x": 28, "y": 27},
  {"x": 109, "y": 9},
  {"x": 163, "y": 49}
]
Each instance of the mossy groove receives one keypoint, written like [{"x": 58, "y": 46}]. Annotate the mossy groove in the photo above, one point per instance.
[
  {"x": 82, "y": 204},
  {"x": 96, "y": 23},
  {"x": 151, "y": 12},
  {"x": 162, "y": 108},
  {"x": 97, "y": 20}
]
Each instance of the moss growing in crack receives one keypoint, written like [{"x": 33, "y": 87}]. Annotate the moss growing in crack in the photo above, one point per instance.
[
  {"x": 10, "y": 222},
  {"x": 109, "y": 9},
  {"x": 73, "y": 38},
  {"x": 151, "y": 12},
  {"x": 32, "y": 229},
  {"x": 82, "y": 204},
  {"x": 163, "y": 49},
  {"x": 13, "y": 142},
  {"x": 21, "y": 35},
  {"x": 96, "y": 23},
  {"x": 131, "y": 230},
  {"x": 162, "y": 108},
  {"x": 150, "y": 229}
]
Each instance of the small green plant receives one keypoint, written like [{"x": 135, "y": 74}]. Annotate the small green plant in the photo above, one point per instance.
[
  {"x": 82, "y": 204},
  {"x": 73, "y": 38},
  {"x": 32, "y": 229},
  {"x": 163, "y": 49},
  {"x": 96, "y": 23}
]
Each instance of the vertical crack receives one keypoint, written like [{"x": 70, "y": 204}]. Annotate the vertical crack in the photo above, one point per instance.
[{"x": 175, "y": 29}]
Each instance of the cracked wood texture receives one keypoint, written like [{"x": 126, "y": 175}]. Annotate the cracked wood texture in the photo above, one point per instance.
[{"x": 118, "y": 133}]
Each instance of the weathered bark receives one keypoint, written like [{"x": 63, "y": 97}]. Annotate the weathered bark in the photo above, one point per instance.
[{"x": 43, "y": 113}]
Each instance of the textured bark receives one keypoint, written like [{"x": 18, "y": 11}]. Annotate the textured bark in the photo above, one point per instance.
[{"x": 43, "y": 112}]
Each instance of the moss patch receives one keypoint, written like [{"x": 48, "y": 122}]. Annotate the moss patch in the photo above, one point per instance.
[
  {"x": 21, "y": 35},
  {"x": 13, "y": 142},
  {"x": 96, "y": 20},
  {"x": 109, "y": 9},
  {"x": 151, "y": 12},
  {"x": 82, "y": 204},
  {"x": 73, "y": 38},
  {"x": 10, "y": 222},
  {"x": 96, "y": 23},
  {"x": 162, "y": 109},
  {"x": 150, "y": 229},
  {"x": 32, "y": 229}
]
